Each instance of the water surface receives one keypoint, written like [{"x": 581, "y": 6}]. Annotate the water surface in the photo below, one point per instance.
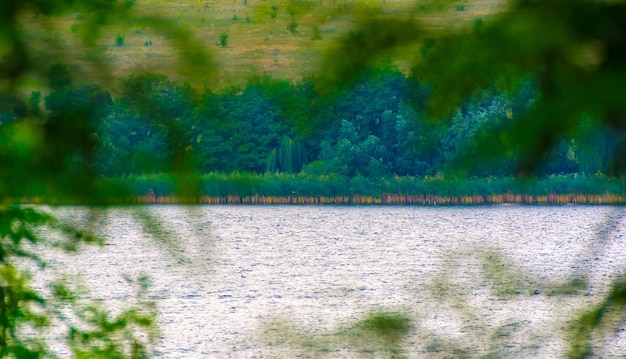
[{"x": 233, "y": 269}]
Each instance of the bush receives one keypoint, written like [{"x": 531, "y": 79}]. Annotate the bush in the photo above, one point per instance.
[
  {"x": 293, "y": 27},
  {"x": 317, "y": 34},
  {"x": 273, "y": 12},
  {"x": 223, "y": 39}
]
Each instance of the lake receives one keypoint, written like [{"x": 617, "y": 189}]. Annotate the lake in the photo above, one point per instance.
[{"x": 486, "y": 280}]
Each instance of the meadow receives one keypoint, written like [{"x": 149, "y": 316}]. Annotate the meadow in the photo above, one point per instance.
[{"x": 244, "y": 38}]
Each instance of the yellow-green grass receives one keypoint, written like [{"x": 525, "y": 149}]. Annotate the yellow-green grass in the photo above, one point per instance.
[{"x": 258, "y": 43}]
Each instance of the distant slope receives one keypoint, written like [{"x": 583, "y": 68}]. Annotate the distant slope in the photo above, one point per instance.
[{"x": 264, "y": 37}]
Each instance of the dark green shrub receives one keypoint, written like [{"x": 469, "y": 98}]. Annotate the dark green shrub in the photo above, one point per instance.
[
  {"x": 316, "y": 35},
  {"x": 223, "y": 39},
  {"x": 293, "y": 27},
  {"x": 59, "y": 76},
  {"x": 273, "y": 12}
]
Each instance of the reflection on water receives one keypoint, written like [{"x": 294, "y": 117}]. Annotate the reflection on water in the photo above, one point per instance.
[{"x": 479, "y": 280}]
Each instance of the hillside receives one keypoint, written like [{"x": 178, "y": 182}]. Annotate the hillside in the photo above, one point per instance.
[{"x": 263, "y": 37}]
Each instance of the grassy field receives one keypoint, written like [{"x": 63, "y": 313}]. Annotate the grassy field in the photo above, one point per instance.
[{"x": 263, "y": 37}]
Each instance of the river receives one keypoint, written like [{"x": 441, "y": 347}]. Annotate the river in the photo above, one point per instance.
[{"x": 477, "y": 280}]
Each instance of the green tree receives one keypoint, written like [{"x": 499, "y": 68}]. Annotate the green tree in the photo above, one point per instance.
[
  {"x": 250, "y": 125},
  {"x": 474, "y": 121}
]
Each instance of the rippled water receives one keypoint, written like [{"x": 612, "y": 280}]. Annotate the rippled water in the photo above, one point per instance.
[{"x": 233, "y": 269}]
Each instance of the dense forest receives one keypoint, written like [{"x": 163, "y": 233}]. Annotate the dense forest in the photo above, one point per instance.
[{"x": 377, "y": 127}]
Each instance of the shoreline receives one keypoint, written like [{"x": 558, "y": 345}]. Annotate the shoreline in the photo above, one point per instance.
[{"x": 387, "y": 199}]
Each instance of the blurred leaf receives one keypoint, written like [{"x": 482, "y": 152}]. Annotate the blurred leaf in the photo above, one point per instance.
[
  {"x": 607, "y": 315},
  {"x": 351, "y": 55},
  {"x": 378, "y": 334}
]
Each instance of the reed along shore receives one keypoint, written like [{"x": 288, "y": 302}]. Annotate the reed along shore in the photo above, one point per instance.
[
  {"x": 274, "y": 189},
  {"x": 424, "y": 200},
  {"x": 264, "y": 189}
]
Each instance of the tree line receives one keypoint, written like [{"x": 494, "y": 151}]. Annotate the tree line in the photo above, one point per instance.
[{"x": 379, "y": 126}]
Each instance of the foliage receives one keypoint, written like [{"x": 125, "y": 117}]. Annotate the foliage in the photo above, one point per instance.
[
  {"x": 379, "y": 332},
  {"x": 119, "y": 40},
  {"x": 59, "y": 76},
  {"x": 223, "y": 39},
  {"x": 222, "y": 185},
  {"x": 293, "y": 27},
  {"x": 536, "y": 89},
  {"x": 376, "y": 127},
  {"x": 316, "y": 34},
  {"x": 571, "y": 49},
  {"x": 91, "y": 330},
  {"x": 51, "y": 154},
  {"x": 576, "y": 61}
]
